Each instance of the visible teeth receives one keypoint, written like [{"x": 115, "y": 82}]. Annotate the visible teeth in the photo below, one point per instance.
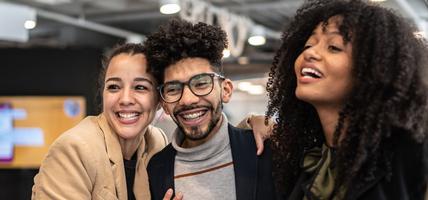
[
  {"x": 311, "y": 72},
  {"x": 193, "y": 115},
  {"x": 127, "y": 115}
]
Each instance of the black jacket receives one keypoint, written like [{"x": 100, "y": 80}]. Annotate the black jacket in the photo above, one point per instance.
[
  {"x": 406, "y": 182},
  {"x": 253, "y": 174}
]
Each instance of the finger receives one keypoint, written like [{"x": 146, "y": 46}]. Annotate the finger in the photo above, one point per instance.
[
  {"x": 271, "y": 128},
  {"x": 179, "y": 196},
  {"x": 168, "y": 194},
  {"x": 259, "y": 143}
]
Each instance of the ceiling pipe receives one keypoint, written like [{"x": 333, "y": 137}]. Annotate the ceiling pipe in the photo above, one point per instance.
[
  {"x": 420, "y": 23},
  {"x": 82, "y": 23},
  {"x": 265, "y": 6}
]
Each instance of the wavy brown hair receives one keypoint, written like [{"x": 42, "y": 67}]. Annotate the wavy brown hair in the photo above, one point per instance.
[{"x": 388, "y": 91}]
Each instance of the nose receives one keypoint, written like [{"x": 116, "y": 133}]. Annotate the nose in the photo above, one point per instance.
[
  {"x": 312, "y": 53},
  {"x": 127, "y": 97},
  {"x": 188, "y": 98}
]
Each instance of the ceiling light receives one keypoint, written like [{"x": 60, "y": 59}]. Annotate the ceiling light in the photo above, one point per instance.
[
  {"x": 257, "y": 36},
  {"x": 134, "y": 39},
  {"x": 256, "y": 90},
  {"x": 377, "y": 0},
  {"x": 30, "y": 24},
  {"x": 419, "y": 34},
  {"x": 250, "y": 88},
  {"x": 226, "y": 53},
  {"x": 244, "y": 86},
  {"x": 169, "y": 6},
  {"x": 257, "y": 40},
  {"x": 53, "y": 2}
]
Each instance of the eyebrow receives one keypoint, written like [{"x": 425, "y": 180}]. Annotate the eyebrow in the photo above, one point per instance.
[
  {"x": 138, "y": 79},
  {"x": 336, "y": 32},
  {"x": 333, "y": 33},
  {"x": 174, "y": 81},
  {"x": 143, "y": 79}
]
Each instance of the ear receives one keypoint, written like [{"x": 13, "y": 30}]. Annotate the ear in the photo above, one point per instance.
[{"x": 227, "y": 89}]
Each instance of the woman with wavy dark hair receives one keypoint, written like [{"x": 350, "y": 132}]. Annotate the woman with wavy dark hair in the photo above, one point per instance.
[{"x": 350, "y": 103}]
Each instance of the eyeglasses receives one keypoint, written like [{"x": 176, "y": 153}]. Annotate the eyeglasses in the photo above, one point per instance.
[{"x": 200, "y": 85}]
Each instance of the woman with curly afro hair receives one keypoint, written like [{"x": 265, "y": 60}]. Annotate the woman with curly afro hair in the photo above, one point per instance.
[{"x": 350, "y": 104}]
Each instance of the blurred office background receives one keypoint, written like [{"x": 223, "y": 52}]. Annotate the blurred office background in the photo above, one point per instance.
[{"x": 50, "y": 52}]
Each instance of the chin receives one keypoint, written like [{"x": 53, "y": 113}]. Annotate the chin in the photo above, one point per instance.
[
  {"x": 201, "y": 133},
  {"x": 300, "y": 95}
]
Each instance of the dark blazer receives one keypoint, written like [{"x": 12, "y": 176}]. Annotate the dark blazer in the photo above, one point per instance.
[
  {"x": 408, "y": 174},
  {"x": 253, "y": 174}
]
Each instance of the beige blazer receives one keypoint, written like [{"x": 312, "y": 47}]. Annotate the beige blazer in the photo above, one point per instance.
[{"x": 86, "y": 162}]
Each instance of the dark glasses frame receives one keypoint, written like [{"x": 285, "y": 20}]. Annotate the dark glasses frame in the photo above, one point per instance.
[{"x": 187, "y": 83}]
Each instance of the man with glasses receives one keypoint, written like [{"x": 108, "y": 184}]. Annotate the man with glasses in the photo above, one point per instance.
[{"x": 208, "y": 158}]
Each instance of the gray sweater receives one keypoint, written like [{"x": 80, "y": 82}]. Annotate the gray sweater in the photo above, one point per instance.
[{"x": 205, "y": 171}]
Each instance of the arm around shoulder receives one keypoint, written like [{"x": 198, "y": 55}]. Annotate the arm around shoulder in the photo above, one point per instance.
[{"x": 261, "y": 130}]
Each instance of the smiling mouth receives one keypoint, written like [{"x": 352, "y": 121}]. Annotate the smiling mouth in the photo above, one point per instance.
[
  {"x": 193, "y": 116},
  {"x": 128, "y": 116},
  {"x": 310, "y": 72}
]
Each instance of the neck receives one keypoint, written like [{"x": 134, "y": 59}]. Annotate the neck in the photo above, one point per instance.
[
  {"x": 329, "y": 117},
  {"x": 130, "y": 146},
  {"x": 193, "y": 143}
]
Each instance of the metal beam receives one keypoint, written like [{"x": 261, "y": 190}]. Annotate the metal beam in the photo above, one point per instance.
[
  {"x": 408, "y": 9},
  {"x": 265, "y": 6},
  {"x": 82, "y": 23},
  {"x": 129, "y": 17}
]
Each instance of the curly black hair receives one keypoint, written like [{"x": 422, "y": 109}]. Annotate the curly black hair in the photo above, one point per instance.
[
  {"x": 388, "y": 91},
  {"x": 125, "y": 48},
  {"x": 180, "y": 39}
]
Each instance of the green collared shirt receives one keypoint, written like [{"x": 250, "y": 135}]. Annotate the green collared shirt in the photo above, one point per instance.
[{"x": 319, "y": 162}]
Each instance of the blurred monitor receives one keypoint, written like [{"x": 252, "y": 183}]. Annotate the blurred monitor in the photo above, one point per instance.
[{"x": 29, "y": 125}]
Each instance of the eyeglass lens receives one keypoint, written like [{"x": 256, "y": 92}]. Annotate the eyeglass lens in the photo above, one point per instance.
[{"x": 200, "y": 85}]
